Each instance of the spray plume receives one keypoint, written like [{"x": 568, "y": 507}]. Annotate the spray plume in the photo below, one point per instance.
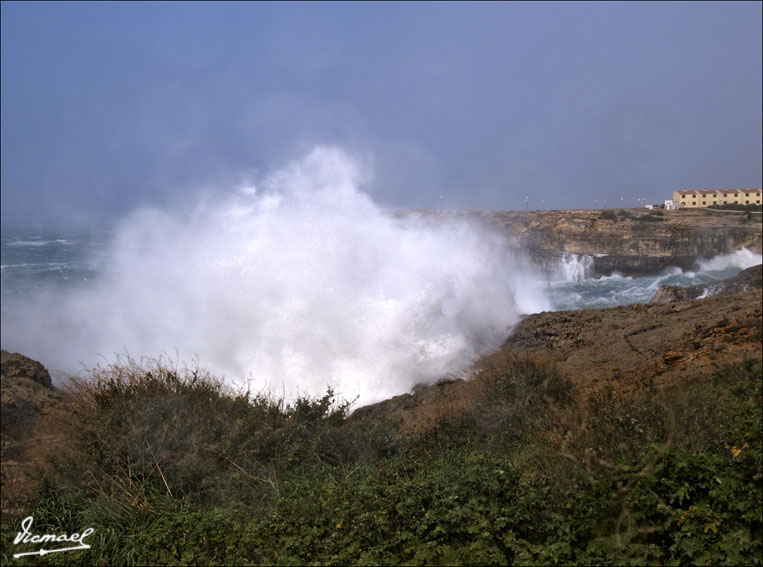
[{"x": 299, "y": 285}]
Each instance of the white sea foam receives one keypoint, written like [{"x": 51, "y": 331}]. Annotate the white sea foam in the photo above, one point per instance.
[
  {"x": 38, "y": 243},
  {"x": 576, "y": 267},
  {"x": 299, "y": 284},
  {"x": 608, "y": 291},
  {"x": 741, "y": 259}
]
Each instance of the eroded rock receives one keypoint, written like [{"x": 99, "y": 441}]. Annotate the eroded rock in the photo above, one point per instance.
[
  {"x": 749, "y": 279},
  {"x": 26, "y": 392},
  {"x": 16, "y": 365}
]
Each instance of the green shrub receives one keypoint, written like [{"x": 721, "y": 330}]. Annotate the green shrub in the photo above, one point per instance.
[
  {"x": 527, "y": 472},
  {"x": 625, "y": 214}
]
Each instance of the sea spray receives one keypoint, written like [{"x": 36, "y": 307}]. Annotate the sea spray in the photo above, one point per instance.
[
  {"x": 292, "y": 286},
  {"x": 742, "y": 259},
  {"x": 615, "y": 289},
  {"x": 576, "y": 267}
]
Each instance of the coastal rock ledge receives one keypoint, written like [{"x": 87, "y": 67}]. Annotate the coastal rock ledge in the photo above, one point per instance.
[
  {"x": 632, "y": 242},
  {"x": 751, "y": 278},
  {"x": 26, "y": 392}
]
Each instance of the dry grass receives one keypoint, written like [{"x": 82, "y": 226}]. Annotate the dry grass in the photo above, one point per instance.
[{"x": 130, "y": 428}]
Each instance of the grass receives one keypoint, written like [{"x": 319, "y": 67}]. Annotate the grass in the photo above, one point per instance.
[{"x": 171, "y": 467}]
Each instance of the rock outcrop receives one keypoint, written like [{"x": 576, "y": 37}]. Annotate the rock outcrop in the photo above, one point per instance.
[
  {"x": 624, "y": 348},
  {"x": 656, "y": 342},
  {"x": 18, "y": 367},
  {"x": 749, "y": 279},
  {"x": 26, "y": 392},
  {"x": 633, "y": 242},
  {"x": 620, "y": 347}
]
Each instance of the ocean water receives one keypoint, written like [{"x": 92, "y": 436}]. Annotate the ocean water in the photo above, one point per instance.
[
  {"x": 40, "y": 260},
  {"x": 39, "y": 264},
  {"x": 292, "y": 284},
  {"x": 572, "y": 291}
]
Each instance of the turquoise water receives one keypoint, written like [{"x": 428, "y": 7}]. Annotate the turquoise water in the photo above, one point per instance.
[{"x": 617, "y": 290}]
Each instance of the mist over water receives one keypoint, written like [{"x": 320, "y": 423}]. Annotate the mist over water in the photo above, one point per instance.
[{"x": 294, "y": 285}]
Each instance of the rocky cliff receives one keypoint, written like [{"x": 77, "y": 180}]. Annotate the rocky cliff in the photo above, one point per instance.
[
  {"x": 632, "y": 242},
  {"x": 624, "y": 348},
  {"x": 26, "y": 394}
]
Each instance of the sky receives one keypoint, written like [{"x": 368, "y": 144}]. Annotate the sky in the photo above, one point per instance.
[{"x": 109, "y": 106}]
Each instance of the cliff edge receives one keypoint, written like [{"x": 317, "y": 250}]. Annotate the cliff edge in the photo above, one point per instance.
[{"x": 632, "y": 242}]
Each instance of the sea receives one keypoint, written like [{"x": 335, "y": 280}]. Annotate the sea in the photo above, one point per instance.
[
  {"x": 42, "y": 259},
  {"x": 37, "y": 260}
]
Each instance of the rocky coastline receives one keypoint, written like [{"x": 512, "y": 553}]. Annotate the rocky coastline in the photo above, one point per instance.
[
  {"x": 631, "y": 242},
  {"x": 625, "y": 348},
  {"x": 749, "y": 279},
  {"x": 676, "y": 338}
]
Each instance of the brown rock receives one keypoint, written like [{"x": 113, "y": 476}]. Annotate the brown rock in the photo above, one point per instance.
[
  {"x": 16, "y": 365},
  {"x": 619, "y": 347},
  {"x": 648, "y": 340},
  {"x": 749, "y": 279},
  {"x": 632, "y": 242},
  {"x": 26, "y": 392}
]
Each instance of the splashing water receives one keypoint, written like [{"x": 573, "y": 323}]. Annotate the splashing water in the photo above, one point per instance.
[
  {"x": 741, "y": 259},
  {"x": 576, "y": 267},
  {"x": 609, "y": 291},
  {"x": 295, "y": 286}
]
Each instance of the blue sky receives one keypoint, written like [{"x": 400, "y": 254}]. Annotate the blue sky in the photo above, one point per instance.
[{"x": 108, "y": 106}]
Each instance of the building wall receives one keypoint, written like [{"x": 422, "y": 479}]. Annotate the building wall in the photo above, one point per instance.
[{"x": 710, "y": 197}]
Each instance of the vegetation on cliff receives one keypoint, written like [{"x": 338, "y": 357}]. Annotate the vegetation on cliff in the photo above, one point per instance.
[{"x": 524, "y": 467}]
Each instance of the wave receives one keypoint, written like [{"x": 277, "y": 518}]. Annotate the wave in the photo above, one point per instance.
[
  {"x": 38, "y": 243},
  {"x": 615, "y": 289},
  {"x": 576, "y": 267},
  {"x": 741, "y": 259},
  {"x": 298, "y": 284}
]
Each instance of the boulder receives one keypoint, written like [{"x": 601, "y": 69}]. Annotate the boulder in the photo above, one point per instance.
[
  {"x": 18, "y": 366},
  {"x": 26, "y": 392}
]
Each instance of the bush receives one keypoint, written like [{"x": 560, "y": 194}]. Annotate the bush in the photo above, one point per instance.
[
  {"x": 737, "y": 207},
  {"x": 624, "y": 214},
  {"x": 170, "y": 467},
  {"x": 135, "y": 428},
  {"x": 652, "y": 216}
]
